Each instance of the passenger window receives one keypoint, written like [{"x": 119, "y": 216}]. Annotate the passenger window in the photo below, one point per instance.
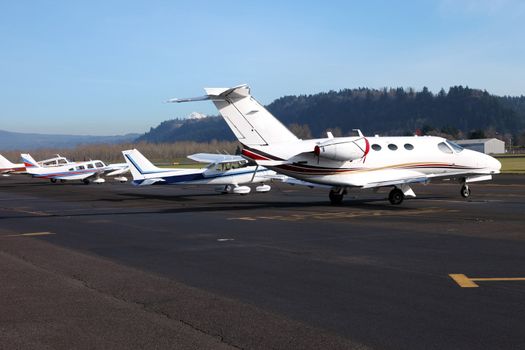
[
  {"x": 376, "y": 147},
  {"x": 444, "y": 148},
  {"x": 409, "y": 147},
  {"x": 80, "y": 167},
  {"x": 71, "y": 169},
  {"x": 99, "y": 164},
  {"x": 392, "y": 147},
  {"x": 90, "y": 166}
]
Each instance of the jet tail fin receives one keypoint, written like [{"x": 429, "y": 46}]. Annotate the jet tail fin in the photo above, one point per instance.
[
  {"x": 251, "y": 123},
  {"x": 138, "y": 164}
]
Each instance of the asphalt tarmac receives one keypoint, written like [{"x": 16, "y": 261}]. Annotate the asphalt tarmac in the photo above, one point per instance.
[{"x": 166, "y": 267}]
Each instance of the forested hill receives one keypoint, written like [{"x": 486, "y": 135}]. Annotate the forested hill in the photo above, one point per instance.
[{"x": 458, "y": 112}]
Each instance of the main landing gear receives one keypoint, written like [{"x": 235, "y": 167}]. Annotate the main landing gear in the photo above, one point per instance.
[
  {"x": 396, "y": 196},
  {"x": 336, "y": 195}
]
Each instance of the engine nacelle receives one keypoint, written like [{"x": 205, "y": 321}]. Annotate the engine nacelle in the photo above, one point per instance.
[{"x": 343, "y": 148}]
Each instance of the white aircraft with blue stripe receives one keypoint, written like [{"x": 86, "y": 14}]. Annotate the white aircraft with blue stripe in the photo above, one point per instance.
[{"x": 229, "y": 173}]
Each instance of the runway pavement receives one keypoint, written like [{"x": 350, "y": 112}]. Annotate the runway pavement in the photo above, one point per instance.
[{"x": 116, "y": 266}]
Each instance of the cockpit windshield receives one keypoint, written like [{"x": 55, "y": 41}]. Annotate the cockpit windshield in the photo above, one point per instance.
[
  {"x": 444, "y": 148},
  {"x": 457, "y": 148}
]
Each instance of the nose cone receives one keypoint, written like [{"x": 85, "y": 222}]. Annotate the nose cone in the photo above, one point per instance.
[{"x": 493, "y": 165}]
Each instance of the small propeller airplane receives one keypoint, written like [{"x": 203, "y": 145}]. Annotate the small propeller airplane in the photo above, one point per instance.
[
  {"x": 229, "y": 173},
  {"x": 88, "y": 171},
  {"x": 7, "y": 167},
  {"x": 346, "y": 162}
]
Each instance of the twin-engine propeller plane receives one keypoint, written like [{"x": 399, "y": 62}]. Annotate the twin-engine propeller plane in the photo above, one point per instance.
[
  {"x": 88, "y": 171},
  {"x": 227, "y": 172},
  {"x": 346, "y": 162}
]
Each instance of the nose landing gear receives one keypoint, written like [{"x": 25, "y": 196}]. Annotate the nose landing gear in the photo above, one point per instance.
[{"x": 465, "y": 191}]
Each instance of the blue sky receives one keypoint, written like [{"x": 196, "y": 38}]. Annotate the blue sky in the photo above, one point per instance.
[{"x": 105, "y": 67}]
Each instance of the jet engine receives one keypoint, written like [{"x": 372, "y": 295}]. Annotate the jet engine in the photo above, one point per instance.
[{"x": 343, "y": 148}]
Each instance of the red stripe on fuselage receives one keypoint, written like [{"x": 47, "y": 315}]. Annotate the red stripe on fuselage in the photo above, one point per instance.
[{"x": 253, "y": 155}]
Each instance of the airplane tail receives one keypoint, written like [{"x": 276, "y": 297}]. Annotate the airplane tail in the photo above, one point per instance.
[
  {"x": 251, "y": 123},
  {"x": 138, "y": 164},
  {"x": 5, "y": 163},
  {"x": 29, "y": 162}
]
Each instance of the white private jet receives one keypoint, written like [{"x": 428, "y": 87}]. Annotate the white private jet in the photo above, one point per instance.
[
  {"x": 346, "y": 162},
  {"x": 86, "y": 171},
  {"x": 227, "y": 172}
]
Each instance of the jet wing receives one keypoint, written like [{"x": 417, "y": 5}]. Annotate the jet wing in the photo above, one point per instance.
[
  {"x": 390, "y": 177},
  {"x": 293, "y": 181},
  {"x": 212, "y": 158}
]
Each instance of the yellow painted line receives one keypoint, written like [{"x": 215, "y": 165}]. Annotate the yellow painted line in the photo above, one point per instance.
[
  {"x": 470, "y": 282},
  {"x": 31, "y": 234},
  {"x": 463, "y": 281},
  {"x": 500, "y": 279}
]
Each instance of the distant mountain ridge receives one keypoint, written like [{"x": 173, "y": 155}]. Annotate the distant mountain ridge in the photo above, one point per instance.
[
  {"x": 30, "y": 141},
  {"x": 459, "y": 111},
  {"x": 200, "y": 130}
]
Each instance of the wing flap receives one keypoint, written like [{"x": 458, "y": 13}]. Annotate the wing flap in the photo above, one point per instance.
[{"x": 392, "y": 177}]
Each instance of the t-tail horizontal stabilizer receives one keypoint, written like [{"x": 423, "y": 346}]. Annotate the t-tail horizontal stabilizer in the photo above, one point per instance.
[{"x": 251, "y": 123}]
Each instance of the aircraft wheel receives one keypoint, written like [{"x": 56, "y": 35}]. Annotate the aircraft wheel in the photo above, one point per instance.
[
  {"x": 465, "y": 191},
  {"x": 53, "y": 180},
  {"x": 85, "y": 181},
  {"x": 396, "y": 196},
  {"x": 336, "y": 198}
]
